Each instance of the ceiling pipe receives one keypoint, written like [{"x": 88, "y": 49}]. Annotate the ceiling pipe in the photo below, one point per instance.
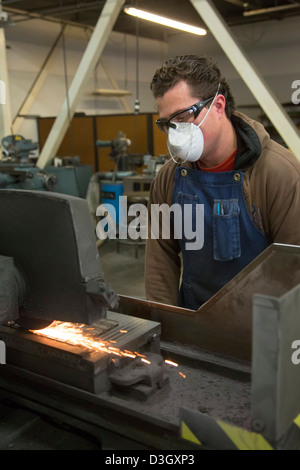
[{"x": 271, "y": 10}]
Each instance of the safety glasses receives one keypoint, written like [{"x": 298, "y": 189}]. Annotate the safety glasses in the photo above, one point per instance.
[{"x": 183, "y": 116}]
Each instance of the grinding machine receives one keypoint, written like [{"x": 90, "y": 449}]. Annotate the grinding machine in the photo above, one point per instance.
[{"x": 223, "y": 377}]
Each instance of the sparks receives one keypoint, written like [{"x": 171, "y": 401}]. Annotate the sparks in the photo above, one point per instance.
[
  {"x": 128, "y": 355},
  {"x": 171, "y": 363},
  {"x": 145, "y": 360},
  {"x": 138, "y": 354},
  {"x": 76, "y": 334}
]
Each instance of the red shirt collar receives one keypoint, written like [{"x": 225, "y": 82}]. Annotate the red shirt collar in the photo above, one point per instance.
[{"x": 226, "y": 165}]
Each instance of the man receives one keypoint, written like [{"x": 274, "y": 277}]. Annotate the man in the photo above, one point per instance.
[{"x": 225, "y": 162}]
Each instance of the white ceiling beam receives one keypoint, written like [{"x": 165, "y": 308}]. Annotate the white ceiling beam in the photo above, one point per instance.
[
  {"x": 255, "y": 82},
  {"x": 86, "y": 67}
]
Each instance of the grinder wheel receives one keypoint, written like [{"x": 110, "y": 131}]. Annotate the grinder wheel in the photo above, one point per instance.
[{"x": 28, "y": 323}]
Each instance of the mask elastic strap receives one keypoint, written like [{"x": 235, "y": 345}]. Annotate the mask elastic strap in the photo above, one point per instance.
[
  {"x": 210, "y": 106},
  {"x": 171, "y": 155},
  {"x": 175, "y": 161}
]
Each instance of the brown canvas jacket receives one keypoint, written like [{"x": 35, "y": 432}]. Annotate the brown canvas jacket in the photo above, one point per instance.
[{"x": 272, "y": 194}]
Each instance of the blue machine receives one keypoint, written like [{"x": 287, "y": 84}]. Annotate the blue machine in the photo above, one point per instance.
[
  {"x": 111, "y": 185},
  {"x": 72, "y": 179},
  {"x": 17, "y": 170},
  {"x": 110, "y": 193}
]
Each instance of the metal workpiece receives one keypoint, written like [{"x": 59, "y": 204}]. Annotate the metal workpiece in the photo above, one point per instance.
[
  {"x": 84, "y": 364},
  {"x": 51, "y": 240}
]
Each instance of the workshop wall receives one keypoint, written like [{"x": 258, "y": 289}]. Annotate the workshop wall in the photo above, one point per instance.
[
  {"x": 28, "y": 45},
  {"x": 272, "y": 46},
  {"x": 84, "y": 131}
]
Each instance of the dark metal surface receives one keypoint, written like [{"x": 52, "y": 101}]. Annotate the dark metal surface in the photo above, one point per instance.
[
  {"x": 153, "y": 420},
  {"x": 224, "y": 323},
  {"x": 51, "y": 240}
]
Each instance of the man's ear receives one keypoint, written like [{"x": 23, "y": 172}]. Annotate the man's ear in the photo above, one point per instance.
[{"x": 220, "y": 103}]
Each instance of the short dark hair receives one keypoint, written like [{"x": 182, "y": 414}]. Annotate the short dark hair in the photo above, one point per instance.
[{"x": 201, "y": 73}]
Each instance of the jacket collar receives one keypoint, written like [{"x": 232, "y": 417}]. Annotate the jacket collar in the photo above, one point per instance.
[{"x": 251, "y": 137}]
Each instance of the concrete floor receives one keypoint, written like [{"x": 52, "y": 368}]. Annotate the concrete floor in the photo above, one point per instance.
[{"x": 123, "y": 270}]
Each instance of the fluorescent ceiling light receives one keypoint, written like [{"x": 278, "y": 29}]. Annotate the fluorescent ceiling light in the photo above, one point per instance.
[{"x": 145, "y": 15}]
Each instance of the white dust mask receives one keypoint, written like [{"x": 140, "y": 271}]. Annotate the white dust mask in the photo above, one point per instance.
[{"x": 186, "y": 141}]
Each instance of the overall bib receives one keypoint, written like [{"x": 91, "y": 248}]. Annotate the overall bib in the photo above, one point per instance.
[{"x": 231, "y": 239}]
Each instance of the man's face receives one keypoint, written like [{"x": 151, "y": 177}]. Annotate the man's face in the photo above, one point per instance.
[{"x": 179, "y": 98}]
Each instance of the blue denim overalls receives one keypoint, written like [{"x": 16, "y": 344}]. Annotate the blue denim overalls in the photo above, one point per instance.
[{"x": 231, "y": 240}]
